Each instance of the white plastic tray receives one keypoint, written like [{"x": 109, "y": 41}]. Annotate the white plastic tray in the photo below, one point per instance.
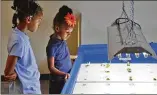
[
  {"x": 115, "y": 88},
  {"x": 118, "y": 72},
  {"x": 92, "y": 79}
]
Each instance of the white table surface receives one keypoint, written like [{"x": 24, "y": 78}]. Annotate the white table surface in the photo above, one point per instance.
[{"x": 94, "y": 77}]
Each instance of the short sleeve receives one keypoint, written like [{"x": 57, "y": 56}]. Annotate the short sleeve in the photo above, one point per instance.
[
  {"x": 17, "y": 49},
  {"x": 51, "y": 51}
]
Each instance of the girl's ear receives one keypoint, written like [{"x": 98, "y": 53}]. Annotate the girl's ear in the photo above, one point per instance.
[
  {"x": 56, "y": 28},
  {"x": 28, "y": 19}
]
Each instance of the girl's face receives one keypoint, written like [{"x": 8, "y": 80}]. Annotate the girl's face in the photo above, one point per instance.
[
  {"x": 64, "y": 31},
  {"x": 35, "y": 22}
]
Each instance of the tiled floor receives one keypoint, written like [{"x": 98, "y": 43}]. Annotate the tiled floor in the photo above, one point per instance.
[{"x": 44, "y": 87}]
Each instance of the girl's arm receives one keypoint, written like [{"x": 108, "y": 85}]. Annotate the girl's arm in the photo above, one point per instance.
[
  {"x": 9, "y": 72},
  {"x": 54, "y": 70}
]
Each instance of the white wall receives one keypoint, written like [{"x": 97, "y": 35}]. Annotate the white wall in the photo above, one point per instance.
[
  {"x": 96, "y": 16},
  {"x": 96, "y": 19}
]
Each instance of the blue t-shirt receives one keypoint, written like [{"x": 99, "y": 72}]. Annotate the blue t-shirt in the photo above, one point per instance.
[
  {"x": 59, "y": 50},
  {"x": 26, "y": 67}
]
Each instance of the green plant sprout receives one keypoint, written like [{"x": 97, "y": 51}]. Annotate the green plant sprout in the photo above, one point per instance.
[
  {"x": 102, "y": 64},
  {"x": 107, "y": 71},
  {"x": 130, "y": 78},
  {"x": 154, "y": 79},
  {"x": 128, "y": 64},
  {"x": 107, "y": 78},
  {"x": 86, "y": 65},
  {"x": 129, "y": 70},
  {"x": 107, "y": 65}
]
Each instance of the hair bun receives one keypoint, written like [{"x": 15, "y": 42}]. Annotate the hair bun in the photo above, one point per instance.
[
  {"x": 22, "y": 4},
  {"x": 64, "y": 10}
]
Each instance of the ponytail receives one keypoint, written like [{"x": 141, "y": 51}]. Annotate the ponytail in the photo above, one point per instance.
[
  {"x": 24, "y": 8},
  {"x": 14, "y": 20}
]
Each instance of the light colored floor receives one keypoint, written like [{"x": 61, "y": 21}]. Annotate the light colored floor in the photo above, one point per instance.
[{"x": 44, "y": 87}]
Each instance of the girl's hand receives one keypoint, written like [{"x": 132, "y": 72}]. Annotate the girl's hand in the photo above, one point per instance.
[
  {"x": 67, "y": 76},
  {"x": 10, "y": 77}
]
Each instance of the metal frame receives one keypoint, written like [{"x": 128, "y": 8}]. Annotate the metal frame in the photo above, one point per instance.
[{"x": 118, "y": 32}]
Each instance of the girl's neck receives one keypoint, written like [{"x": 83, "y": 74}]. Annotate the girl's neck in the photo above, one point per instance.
[
  {"x": 58, "y": 36},
  {"x": 22, "y": 27}
]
